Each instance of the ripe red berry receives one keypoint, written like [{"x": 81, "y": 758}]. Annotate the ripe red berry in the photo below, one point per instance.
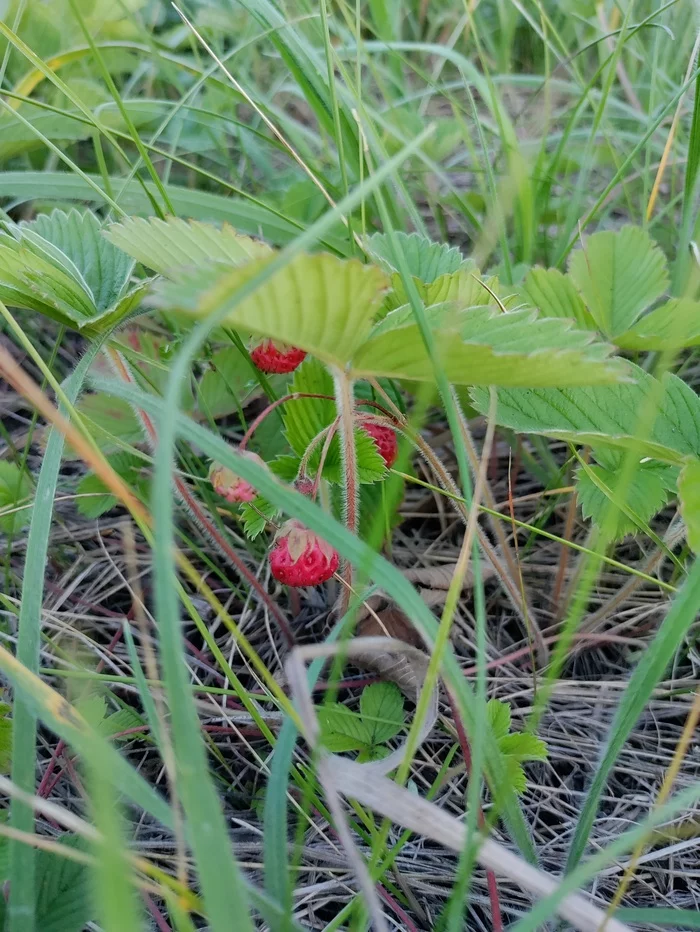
[
  {"x": 301, "y": 558},
  {"x": 231, "y": 486},
  {"x": 277, "y": 358},
  {"x": 385, "y": 440}
]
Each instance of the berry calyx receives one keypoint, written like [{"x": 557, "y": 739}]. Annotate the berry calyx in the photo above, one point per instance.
[
  {"x": 276, "y": 358},
  {"x": 301, "y": 558},
  {"x": 231, "y": 486},
  {"x": 384, "y": 439}
]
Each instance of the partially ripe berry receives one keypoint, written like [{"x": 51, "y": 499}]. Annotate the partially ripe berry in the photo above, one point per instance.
[
  {"x": 277, "y": 358},
  {"x": 231, "y": 486},
  {"x": 301, "y": 558},
  {"x": 304, "y": 485},
  {"x": 385, "y": 440}
]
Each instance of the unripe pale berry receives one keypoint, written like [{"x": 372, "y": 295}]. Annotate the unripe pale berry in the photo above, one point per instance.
[{"x": 231, "y": 486}]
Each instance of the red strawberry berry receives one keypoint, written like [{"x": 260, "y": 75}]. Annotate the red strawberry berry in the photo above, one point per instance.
[
  {"x": 301, "y": 558},
  {"x": 230, "y": 486},
  {"x": 277, "y": 358},
  {"x": 385, "y": 440}
]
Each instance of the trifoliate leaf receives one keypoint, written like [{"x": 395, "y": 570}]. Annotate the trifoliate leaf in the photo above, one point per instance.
[
  {"x": 619, "y": 274},
  {"x": 382, "y": 711}
]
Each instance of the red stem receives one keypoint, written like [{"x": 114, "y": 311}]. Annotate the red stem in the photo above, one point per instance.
[
  {"x": 496, "y": 916},
  {"x": 158, "y": 917}
]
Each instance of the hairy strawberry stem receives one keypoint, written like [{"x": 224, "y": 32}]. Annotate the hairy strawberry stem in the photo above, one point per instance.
[
  {"x": 345, "y": 404},
  {"x": 295, "y": 396}
]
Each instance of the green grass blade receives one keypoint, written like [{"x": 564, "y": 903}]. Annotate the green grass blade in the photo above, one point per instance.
[
  {"x": 660, "y": 916},
  {"x": 655, "y": 659},
  {"x": 22, "y": 875},
  {"x": 253, "y": 218}
]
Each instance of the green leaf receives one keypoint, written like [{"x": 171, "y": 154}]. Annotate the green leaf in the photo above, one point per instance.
[
  {"x": 59, "y": 265},
  {"x": 382, "y": 711},
  {"x": 516, "y": 775},
  {"x": 555, "y": 295},
  {"x": 172, "y": 245},
  {"x": 104, "y": 268},
  {"x": 492, "y": 348},
  {"x": 607, "y": 414},
  {"x": 319, "y": 303},
  {"x": 97, "y": 501},
  {"x": 255, "y": 516},
  {"x": 111, "y": 420},
  {"x": 100, "y": 498},
  {"x": 671, "y": 326},
  {"x": 305, "y": 418},
  {"x": 619, "y": 274},
  {"x": 227, "y": 377},
  {"x": 424, "y": 259},
  {"x": 15, "y": 490},
  {"x": 689, "y": 491},
  {"x": 336, "y": 720},
  {"x": 645, "y": 495},
  {"x": 33, "y": 281},
  {"x": 498, "y": 717},
  {"x": 523, "y": 746},
  {"x": 462, "y": 288},
  {"x": 123, "y": 720},
  {"x": 64, "y": 900},
  {"x": 93, "y": 709}
]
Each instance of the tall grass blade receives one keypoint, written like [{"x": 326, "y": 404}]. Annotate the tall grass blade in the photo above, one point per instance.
[
  {"x": 655, "y": 659},
  {"x": 22, "y": 862}
]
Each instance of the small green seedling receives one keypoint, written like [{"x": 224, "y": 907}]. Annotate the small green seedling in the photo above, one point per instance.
[
  {"x": 381, "y": 717},
  {"x": 516, "y": 747}
]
